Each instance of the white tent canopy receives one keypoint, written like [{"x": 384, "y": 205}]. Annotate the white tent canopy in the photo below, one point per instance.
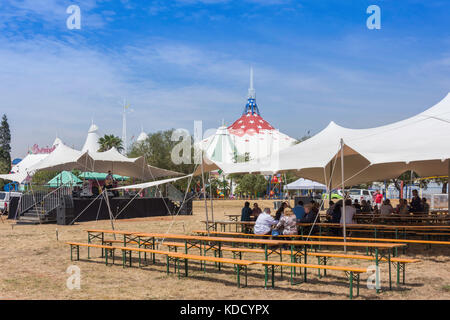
[
  {"x": 419, "y": 143},
  {"x": 151, "y": 184},
  {"x": 19, "y": 172},
  {"x": 305, "y": 184},
  {"x": 63, "y": 158}
]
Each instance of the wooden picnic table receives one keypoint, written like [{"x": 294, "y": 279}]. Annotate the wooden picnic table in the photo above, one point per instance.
[
  {"x": 270, "y": 246},
  {"x": 233, "y": 217}
]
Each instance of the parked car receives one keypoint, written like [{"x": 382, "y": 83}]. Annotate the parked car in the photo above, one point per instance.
[
  {"x": 359, "y": 194},
  {"x": 5, "y": 198},
  {"x": 335, "y": 195}
]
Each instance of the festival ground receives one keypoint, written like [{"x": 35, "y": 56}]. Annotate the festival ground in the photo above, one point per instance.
[{"x": 33, "y": 265}]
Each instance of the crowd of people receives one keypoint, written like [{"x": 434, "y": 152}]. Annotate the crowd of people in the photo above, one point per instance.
[{"x": 286, "y": 218}]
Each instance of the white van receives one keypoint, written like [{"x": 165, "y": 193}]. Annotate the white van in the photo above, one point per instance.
[
  {"x": 5, "y": 197},
  {"x": 360, "y": 194}
]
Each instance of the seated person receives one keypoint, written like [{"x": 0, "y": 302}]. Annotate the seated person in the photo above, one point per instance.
[
  {"x": 264, "y": 222},
  {"x": 299, "y": 211},
  {"x": 246, "y": 212},
  {"x": 357, "y": 206},
  {"x": 288, "y": 223},
  {"x": 256, "y": 211},
  {"x": 386, "y": 208},
  {"x": 330, "y": 210},
  {"x": 280, "y": 210},
  {"x": 349, "y": 213},
  {"x": 365, "y": 206},
  {"x": 336, "y": 213},
  {"x": 402, "y": 207},
  {"x": 425, "y": 206},
  {"x": 310, "y": 214}
]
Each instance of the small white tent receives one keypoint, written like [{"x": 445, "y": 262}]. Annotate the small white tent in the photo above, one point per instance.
[
  {"x": 305, "y": 184},
  {"x": 91, "y": 144}
]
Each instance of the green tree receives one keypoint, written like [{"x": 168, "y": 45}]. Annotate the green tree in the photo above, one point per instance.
[
  {"x": 5, "y": 146},
  {"x": 251, "y": 184},
  {"x": 43, "y": 176},
  {"x": 110, "y": 141}
]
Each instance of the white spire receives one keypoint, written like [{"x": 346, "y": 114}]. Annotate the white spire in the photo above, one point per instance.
[{"x": 251, "y": 90}]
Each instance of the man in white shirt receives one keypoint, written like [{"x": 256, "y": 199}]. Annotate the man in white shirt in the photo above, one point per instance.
[
  {"x": 349, "y": 213},
  {"x": 264, "y": 222}
]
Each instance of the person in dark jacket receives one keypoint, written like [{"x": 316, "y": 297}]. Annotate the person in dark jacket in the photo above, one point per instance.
[
  {"x": 280, "y": 211},
  {"x": 310, "y": 214},
  {"x": 416, "y": 202},
  {"x": 246, "y": 212}
]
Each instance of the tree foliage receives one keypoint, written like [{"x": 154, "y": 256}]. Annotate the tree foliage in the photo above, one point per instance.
[
  {"x": 110, "y": 141},
  {"x": 250, "y": 183},
  {"x": 43, "y": 176},
  {"x": 5, "y": 146}
]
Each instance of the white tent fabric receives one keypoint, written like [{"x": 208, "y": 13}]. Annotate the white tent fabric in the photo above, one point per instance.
[
  {"x": 305, "y": 184},
  {"x": 419, "y": 143},
  {"x": 19, "y": 172},
  {"x": 151, "y": 184},
  {"x": 63, "y": 158},
  {"x": 112, "y": 160},
  {"x": 91, "y": 144}
]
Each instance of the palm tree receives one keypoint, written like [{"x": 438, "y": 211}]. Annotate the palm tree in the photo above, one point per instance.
[{"x": 110, "y": 141}]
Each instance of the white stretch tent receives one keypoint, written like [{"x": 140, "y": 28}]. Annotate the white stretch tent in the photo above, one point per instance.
[
  {"x": 305, "y": 184},
  {"x": 151, "y": 184},
  {"x": 112, "y": 160},
  {"x": 419, "y": 143}
]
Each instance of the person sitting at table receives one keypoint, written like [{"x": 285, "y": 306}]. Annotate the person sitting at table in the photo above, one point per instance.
[
  {"x": 299, "y": 210},
  {"x": 386, "y": 208},
  {"x": 280, "y": 210},
  {"x": 365, "y": 206},
  {"x": 357, "y": 206},
  {"x": 310, "y": 214},
  {"x": 402, "y": 207},
  {"x": 288, "y": 223},
  {"x": 246, "y": 212},
  {"x": 264, "y": 223},
  {"x": 416, "y": 202},
  {"x": 330, "y": 210},
  {"x": 425, "y": 206},
  {"x": 255, "y": 212},
  {"x": 349, "y": 213}
]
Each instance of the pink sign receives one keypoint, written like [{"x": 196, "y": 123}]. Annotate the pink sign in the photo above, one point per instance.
[{"x": 36, "y": 150}]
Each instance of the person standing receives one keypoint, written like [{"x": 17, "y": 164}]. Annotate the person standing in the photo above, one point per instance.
[
  {"x": 416, "y": 202},
  {"x": 378, "y": 199},
  {"x": 246, "y": 212},
  {"x": 256, "y": 211}
]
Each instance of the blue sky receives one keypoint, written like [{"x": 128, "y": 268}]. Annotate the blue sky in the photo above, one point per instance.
[{"x": 184, "y": 60}]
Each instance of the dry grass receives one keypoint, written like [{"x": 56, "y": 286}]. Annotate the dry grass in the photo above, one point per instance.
[{"x": 33, "y": 266}]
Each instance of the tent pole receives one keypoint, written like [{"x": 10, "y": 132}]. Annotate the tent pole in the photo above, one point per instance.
[
  {"x": 343, "y": 192},
  {"x": 448, "y": 187},
  {"x": 105, "y": 196},
  {"x": 211, "y": 197},
  {"x": 204, "y": 196}
]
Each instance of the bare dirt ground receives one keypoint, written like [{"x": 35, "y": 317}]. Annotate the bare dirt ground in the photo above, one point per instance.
[{"x": 33, "y": 266}]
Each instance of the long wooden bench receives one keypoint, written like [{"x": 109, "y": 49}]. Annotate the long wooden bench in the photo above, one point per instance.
[
  {"x": 351, "y": 272},
  {"x": 238, "y": 263},
  {"x": 323, "y": 258}
]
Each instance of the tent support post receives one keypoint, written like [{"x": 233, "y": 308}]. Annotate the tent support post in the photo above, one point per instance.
[
  {"x": 204, "y": 196},
  {"x": 105, "y": 195},
  {"x": 211, "y": 198},
  {"x": 448, "y": 186},
  {"x": 343, "y": 192}
]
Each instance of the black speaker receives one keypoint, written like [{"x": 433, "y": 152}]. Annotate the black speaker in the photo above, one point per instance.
[{"x": 64, "y": 216}]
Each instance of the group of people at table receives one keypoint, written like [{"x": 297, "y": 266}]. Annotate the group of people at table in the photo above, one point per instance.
[{"x": 286, "y": 218}]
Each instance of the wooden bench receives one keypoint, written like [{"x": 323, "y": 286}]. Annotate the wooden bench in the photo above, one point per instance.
[
  {"x": 322, "y": 257},
  {"x": 238, "y": 264},
  {"x": 351, "y": 272},
  {"x": 109, "y": 251}
]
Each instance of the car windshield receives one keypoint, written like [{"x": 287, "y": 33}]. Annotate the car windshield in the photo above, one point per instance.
[
  {"x": 354, "y": 192},
  {"x": 2, "y": 196}
]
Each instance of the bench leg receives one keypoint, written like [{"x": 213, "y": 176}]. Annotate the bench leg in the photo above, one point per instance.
[
  {"x": 398, "y": 273},
  {"x": 351, "y": 285}
]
